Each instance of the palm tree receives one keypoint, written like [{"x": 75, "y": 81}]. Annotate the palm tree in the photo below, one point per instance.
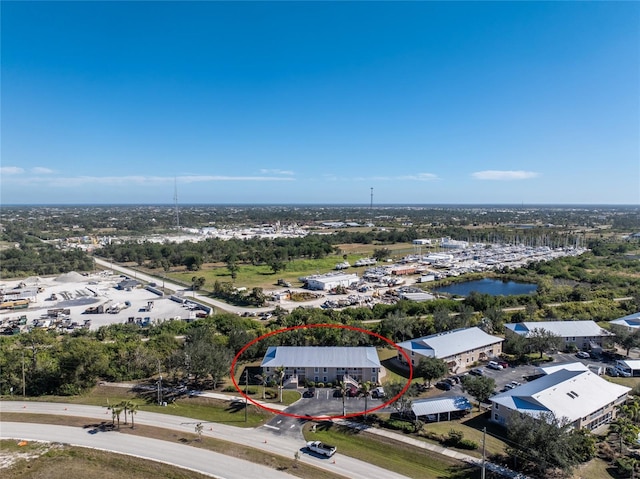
[
  {"x": 264, "y": 380},
  {"x": 279, "y": 372},
  {"x": 365, "y": 391},
  {"x": 126, "y": 406},
  {"x": 343, "y": 387},
  {"x": 115, "y": 413},
  {"x": 133, "y": 409}
]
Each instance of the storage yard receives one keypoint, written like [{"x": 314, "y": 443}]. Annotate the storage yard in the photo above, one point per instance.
[{"x": 71, "y": 301}]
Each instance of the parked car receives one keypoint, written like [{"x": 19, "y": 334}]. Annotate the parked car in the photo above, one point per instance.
[
  {"x": 583, "y": 355},
  {"x": 622, "y": 373},
  {"x": 477, "y": 372},
  {"x": 377, "y": 393},
  {"x": 445, "y": 386},
  {"x": 352, "y": 392},
  {"x": 613, "y": 372},
  {"x": 309, "y": 393},
  {"x": 494, "y": 365},
  {"x": 451, "y": 381},
  {"x": 504, "y": 364}
]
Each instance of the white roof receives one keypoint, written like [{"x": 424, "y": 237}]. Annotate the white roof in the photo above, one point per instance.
[
  {"x": 321, "y": 356},
  {"x": 329, "y": 278},
  {"x": 575, "y": 366},
  {"x": 566, "y": 394},
  {"x": 450, "y": 343},
  {"x": 564, "y": 329},
  {"x": 630, "y": 321},
  {"x": 425, "y": 407},
  {"x": 631, "y": 363}
]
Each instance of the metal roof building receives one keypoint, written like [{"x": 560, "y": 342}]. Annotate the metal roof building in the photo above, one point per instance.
[
  {"x": 581, "y": 397},
  {"x": 563, "y": 329},
  {"x": 631, "y": 321},
  {"x": 453, "y": 343},
  {"x": 431, "y": 409},
  {"x": 325, "y": 356}
]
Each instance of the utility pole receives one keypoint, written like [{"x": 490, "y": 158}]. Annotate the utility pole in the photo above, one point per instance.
[
  {"x": 24, "y": 378},
  {"x": 159, "y": 385},
  {"x": 246, "y": 391},
  {"x": 484, "y": 440}
]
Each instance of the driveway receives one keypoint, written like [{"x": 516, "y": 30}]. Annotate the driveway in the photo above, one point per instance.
[{"x": 323, "y": 403}]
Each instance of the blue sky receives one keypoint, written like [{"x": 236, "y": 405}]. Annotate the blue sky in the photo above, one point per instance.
[{"x": 303, "y": 102}]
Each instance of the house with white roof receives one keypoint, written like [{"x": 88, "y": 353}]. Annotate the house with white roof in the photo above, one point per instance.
[
  {"x": 323, "y": 364},
  {"x": 581, "y": 398},
  {"x": 631, "y": 322},
  {"x": 459, "y": 348},
  {"x": 582, "y": 334}
]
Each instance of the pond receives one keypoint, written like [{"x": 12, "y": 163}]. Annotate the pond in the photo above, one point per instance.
[{"x": 493, "y": 287}]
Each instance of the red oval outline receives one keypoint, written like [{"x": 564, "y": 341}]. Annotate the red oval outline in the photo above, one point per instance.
[{"x": 320, "y": 325}]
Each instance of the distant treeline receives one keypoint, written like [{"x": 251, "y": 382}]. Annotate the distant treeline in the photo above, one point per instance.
[
  {"x": 255, "y": 251},
  {"x": 40, "y": 259}
]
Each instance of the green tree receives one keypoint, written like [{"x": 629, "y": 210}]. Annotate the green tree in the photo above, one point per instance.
[
  {"x": 279, "y": 374},
  {"x": 480, "y": 387},
  {"x": 381, "y": 254},
  {"x": 625, "y": 338},
  {"x": 548, "y": 443},
  {"x": 343, "y": 388},
  {"x": 541, "y": 340},
  {"x": 365, "y": 391},
  {"x": 430, "y": 368},
  {"x": 403, "y": 403},
  {"x": 133, "y": 409}
]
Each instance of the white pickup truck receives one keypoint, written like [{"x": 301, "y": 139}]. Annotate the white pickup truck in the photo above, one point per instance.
[{"x": 321, "y": 448}]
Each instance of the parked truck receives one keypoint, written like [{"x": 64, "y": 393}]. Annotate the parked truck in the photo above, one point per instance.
[{"x": 321, "y": 448}]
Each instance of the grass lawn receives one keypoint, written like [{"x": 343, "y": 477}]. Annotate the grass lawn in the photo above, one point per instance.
[
  {"x": 471, "y": 427},
  {"x": 38, "y": 460},
  {"x": 80, "y": 463},
  {"x": 595, "y": 468},
  {"x": 250, "y": 276},
  {"x": 389, "y": 454},
  {"x": 205, "y": 409}
]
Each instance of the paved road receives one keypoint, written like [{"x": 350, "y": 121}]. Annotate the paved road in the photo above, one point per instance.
[
  {"x": 259, "y": 438},
  {"x": 192, "y": 458}
]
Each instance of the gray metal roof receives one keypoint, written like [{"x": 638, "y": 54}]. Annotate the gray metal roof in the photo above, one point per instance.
[
  {"x": 564, "y": 329},
  {"x": 321, "y": 356},
  {"x": 566, "y": 394},
  {"x": 630, "y": 321},
  {"x": 450, "y": 343},
  {"x": 425, "y": 407}
]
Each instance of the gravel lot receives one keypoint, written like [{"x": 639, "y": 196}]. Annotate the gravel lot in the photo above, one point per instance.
[{"x": 77, "y": 292}]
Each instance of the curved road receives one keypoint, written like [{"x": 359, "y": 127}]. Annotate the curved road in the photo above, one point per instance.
[
  {"x": 259, "y": 438},
  {"x": 192, "y": 458}
]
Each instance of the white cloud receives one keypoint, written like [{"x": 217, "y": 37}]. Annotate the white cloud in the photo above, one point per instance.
[
  {"x": 506, "y": 175},
  {"x": 266, "y": 171},
  {"x": 41, "y": 170},
  {"x": 11, "y": 170}
]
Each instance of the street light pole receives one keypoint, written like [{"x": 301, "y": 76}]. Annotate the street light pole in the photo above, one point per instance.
[{"x": 246, "y": 391}]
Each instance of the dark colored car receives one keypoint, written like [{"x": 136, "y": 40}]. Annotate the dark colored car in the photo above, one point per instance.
[
  {"x": 477, "y": 372},
  {"x": 309, "y": 393},
  {"x": 445, "y": 386}
]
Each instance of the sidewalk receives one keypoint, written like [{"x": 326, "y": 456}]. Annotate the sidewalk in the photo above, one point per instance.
[{"x": 221, "y": 396}]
